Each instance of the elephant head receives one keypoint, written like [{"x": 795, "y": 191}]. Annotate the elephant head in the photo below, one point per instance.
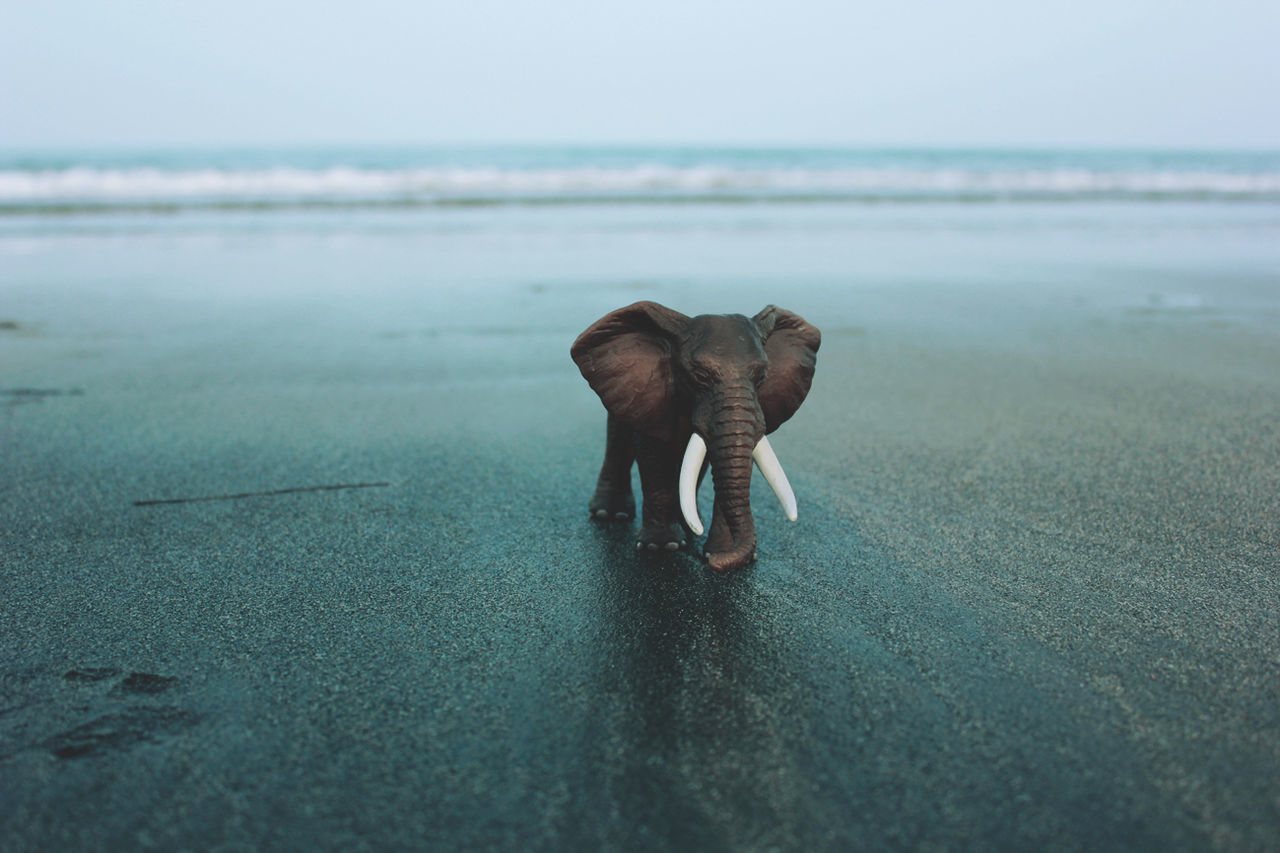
[{"x": 711, "y": 386}]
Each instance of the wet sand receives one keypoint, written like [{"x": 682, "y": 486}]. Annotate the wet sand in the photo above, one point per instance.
[{"x": 1031, "y": 601}]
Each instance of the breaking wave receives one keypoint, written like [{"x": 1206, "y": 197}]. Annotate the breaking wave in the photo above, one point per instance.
[{"x": 91, "y": 187}]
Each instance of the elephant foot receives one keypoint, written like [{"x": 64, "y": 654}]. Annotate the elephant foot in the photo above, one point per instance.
[
  {"x": 726, "y": 561},
  {"x": 662, "y": 537},
  {"x": 612, "y": 503}
]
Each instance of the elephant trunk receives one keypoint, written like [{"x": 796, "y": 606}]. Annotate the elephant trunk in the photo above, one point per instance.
[{"x": 738, "y": 426}]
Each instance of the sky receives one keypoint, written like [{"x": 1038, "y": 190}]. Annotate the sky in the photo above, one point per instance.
[{"x": 1052, "y": 73}]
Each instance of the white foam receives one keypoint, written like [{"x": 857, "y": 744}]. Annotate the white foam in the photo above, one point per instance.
[{"x": 95, "y": 185}]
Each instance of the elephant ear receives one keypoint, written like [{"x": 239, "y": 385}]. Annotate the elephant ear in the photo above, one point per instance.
[
  {"x": 626, "y": 358},
  {"x": 792, "y": 347}
]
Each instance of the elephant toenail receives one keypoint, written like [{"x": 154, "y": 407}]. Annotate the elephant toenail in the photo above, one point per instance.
[
  {"x": 619, "y": 516},
  {"x": 653, "y": 546},
  {"x": 639, "y": 546},
  {"x": 673, "y": 546},
  {"x": 601, "y": 513}
]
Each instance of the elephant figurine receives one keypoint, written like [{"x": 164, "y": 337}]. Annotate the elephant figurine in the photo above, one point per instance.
[{"x": 679, "y": 389}]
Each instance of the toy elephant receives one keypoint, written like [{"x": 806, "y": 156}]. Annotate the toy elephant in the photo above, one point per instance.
[{"x": 678, "y": 389}]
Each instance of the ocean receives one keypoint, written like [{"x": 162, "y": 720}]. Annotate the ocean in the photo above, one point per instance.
[
  {"x": 162, "y": 181},
  {"x": 856, "y": 235}
]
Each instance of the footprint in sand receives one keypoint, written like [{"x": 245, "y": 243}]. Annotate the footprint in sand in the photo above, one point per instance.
[{"x": 123, "y": 728}]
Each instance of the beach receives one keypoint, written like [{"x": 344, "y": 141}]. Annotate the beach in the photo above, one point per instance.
[{"x": 296, "y": 550}]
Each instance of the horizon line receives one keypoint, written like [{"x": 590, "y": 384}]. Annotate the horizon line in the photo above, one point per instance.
[{"x": 643, "y": 144}]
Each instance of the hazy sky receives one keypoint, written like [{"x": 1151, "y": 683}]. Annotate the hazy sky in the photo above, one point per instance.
[{"x": 1006, "y": 72}]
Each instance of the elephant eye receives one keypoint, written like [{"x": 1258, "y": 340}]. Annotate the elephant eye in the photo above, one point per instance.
[
  {"x": 759, "y": 373},
  {"x": 701, "y": 375}
]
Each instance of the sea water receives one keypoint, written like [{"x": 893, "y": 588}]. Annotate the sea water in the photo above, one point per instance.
[
  {"x": 483, "y": 236},
  {"x": 400, "y": 178}
]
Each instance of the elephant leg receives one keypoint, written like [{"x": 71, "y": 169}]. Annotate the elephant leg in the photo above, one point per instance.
[
  {"x": 613, "y": 498},
  {"x": 659, "y": 464}
]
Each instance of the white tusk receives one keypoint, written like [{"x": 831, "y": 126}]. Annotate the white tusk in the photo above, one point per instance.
[
  {"x": 694, "y": 454},
  {"x": 769, "y": 465}
]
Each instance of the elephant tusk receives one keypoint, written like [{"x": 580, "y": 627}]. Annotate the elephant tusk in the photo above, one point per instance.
[
  {"x": 694, "y": 454},
  {"x": 769, "y": 465}
]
